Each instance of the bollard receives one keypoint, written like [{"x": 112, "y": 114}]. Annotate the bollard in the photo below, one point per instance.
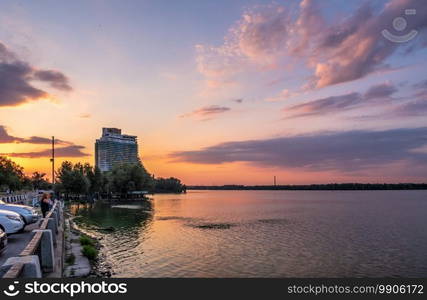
[
  {"x": 47, "y": 254},
  {"x": 51, "y": 225},
  {"x": 54, "y": 216},
  {"x": 56, "y": 213},
  {"x": 31, "y": 266}
]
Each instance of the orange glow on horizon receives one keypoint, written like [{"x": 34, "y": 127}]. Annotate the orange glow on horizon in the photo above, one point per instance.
[{"x": 160, "y": 165}]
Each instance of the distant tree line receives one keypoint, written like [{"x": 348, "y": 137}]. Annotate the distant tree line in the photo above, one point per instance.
[
  {"x": 328, "y": 187},
  {"x": 84, "y": 179}
]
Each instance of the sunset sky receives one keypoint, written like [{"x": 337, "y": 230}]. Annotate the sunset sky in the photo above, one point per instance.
[{"x": 220, "y": 92}]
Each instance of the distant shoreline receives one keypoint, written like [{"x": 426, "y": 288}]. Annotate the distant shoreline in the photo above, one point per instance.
[{"x": 316, "y": 187}]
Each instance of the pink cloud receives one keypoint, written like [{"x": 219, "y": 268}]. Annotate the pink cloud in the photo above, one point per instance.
[
  {"x": 5, "y": 138},
  {"x": 273, "y": 36},
  {"x": 68, "y": 151},
  {"x": 257, "y": 39},
  {"x": 262, "y": 34},
  {"x": 308, "y": 26},
  {"x": 16, "y": 75},
  {"x": 354, "y": 47},
  {"x": 207, "y": 112},
  {"x": 376, "y": 95},
  {"x": 283, "y": 95}
]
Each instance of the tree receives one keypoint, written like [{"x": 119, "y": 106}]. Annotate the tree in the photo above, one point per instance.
[
  {"x": 81, "y": 179},
  {"x": 126, "y": 178},
  {"x": 72, "y": 179},
  {"x": 11, "y": 175},
  {"x": 64, "y": 177},
  {"x": 169, "y": 185},
  {"x": 39, "y": 182},
  {"x": 94, "y": 175},
  {"x": 80, "y": 183}
]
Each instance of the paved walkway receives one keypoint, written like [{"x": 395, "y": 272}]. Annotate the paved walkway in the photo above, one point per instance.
[
  {"x": 17, "y": 242},
  {"x": 81, "y": 266}
]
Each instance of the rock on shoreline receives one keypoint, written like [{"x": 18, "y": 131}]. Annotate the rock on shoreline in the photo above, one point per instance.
[{"x": 82, "y": 266}]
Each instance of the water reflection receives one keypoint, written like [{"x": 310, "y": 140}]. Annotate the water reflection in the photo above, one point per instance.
[
  {"x": 265, "y": 234},
  {"x": 121, "y": 217},
  {"x": 119, "y": 228}
]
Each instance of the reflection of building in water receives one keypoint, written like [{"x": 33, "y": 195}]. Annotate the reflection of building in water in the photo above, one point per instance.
[{"x": 115, "y": 148}]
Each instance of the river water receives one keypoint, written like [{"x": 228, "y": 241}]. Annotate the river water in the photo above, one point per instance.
[{"x": 265, "y": 234}]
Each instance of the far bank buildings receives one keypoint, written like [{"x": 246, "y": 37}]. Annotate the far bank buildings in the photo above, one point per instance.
[{"x": 115, "y": 148}]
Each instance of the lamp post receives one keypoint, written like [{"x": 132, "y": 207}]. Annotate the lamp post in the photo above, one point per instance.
[{"x": 53, "y": 160}]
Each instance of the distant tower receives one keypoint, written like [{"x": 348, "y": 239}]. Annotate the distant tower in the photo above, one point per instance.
[
  {"x": 115, "y": 148},
  {"x": 274, "y": 180}
]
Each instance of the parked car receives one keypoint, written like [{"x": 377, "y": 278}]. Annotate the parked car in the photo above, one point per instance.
[
  {"x": 28, "y": 213},
  {"x": 3, "y": 241},
  {"x": 11, "y": 222}
]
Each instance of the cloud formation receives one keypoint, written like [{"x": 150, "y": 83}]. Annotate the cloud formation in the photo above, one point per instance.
[
  {"x": 421, "y": 85},
  {"x": 207, "y": 112},
  {"x": 334, "y": 104},
  {"x": 258, "y": 37},
  {"x": 416, "y": 107},
  {"x": 283, "y": 95},
  {"x": 68, "y": 151},
  {"x": 5, "y": 138},
  {"x": 355, "y": 48},
  {"x": 272, "y": 36},
  {"x": 380, "y": 91},
  {"x": 16, "y": 78},
  {"x": 341, "y": 151},
  {"x": 324, "y": 106},
  {"x": 54, "y": 78},
  {"x": 85, "y": 116}
]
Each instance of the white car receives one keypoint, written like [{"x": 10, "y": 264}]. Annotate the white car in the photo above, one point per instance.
[
  {"x": 11, "y": 222},
  {"x": 28, "y": 213}
]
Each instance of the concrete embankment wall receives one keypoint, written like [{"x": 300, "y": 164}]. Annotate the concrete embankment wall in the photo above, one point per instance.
[{"x": 43, "y": 256}]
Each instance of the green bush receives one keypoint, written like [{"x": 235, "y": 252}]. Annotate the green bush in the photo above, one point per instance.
[
  {"x": 70, "y": 259},
  {"x": 90, "y": 252},
  {"x": 85, "y": 240}
]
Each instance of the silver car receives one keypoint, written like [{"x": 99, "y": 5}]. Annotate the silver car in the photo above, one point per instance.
[
  {"x": 11, "y": 222},
  {"x": 28, "y": 214}
]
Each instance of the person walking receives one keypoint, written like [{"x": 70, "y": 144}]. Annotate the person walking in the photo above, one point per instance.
[
  {"x": 51, "y": 200},
  {"x": 44, "y": 204}
]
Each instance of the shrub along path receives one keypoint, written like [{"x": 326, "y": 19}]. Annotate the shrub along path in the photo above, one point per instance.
[{"x": 76, "y": 265}]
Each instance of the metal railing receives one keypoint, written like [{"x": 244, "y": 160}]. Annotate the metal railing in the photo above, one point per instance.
[
  {"x": 33, "y": 247},
  {"x": 19, "y": 198}
]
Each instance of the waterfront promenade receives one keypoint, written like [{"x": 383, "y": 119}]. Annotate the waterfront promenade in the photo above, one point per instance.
[{"x": 38, "y": 251}]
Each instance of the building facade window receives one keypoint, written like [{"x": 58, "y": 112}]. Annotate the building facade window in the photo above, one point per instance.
[{"x": 115, "y": 148}]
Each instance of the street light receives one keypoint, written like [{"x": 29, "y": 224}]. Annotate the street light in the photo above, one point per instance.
[{"x": 52, "y": 160}]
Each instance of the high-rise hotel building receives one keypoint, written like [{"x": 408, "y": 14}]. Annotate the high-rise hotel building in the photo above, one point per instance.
[{"x": 115, "y": 148}]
